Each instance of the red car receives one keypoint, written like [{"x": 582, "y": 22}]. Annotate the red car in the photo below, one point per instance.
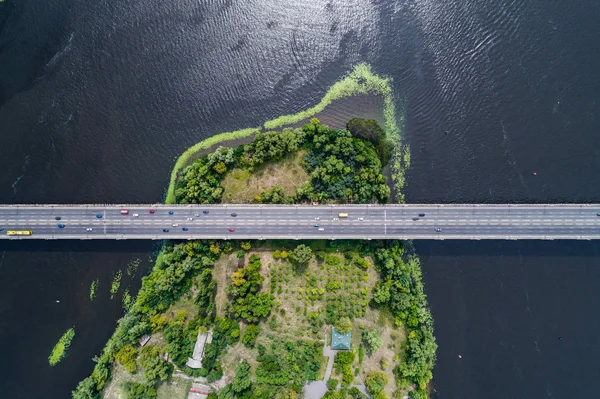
[
  {"x": 151, "y": 211},
  {"x": 124, "y": 211},
  {"x": 231, "y": 230}
]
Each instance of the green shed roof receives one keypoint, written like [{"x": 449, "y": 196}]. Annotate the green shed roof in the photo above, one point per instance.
[{"x": 340, "y": 341}]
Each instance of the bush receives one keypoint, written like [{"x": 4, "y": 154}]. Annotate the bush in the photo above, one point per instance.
[
  {"x": 376, "y": 381},
  {"x": 127, "y": 356},
  {"x": 155, "y": 367},
  {"x": 249, "y": 337},
  {"x": 134, "y": 390},
  {"x": 372, "y": 340},
  {"x": 332, "y": 383},
  {"x": 343, "y": 325}
]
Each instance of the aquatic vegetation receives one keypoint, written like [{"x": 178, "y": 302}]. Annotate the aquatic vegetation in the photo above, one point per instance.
[
  {"x": 94, "y": 289},
  {"x": 133, "y": 266},
  {"x": 116, "y": 283},
  {"x": 60, "y": 349}
]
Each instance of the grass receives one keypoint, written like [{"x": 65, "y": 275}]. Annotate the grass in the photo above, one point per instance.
[
  {"x": 361, "y": 80},
  {"x": 116, "y": 283},
  {"x": 174, "y": 388},
  {"x": 60, "y": 349},
  {"x": 94, "y": 289},
  {"x": 242, "y": 187}
]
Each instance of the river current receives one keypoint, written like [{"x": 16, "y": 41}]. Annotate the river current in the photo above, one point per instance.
[{"x": 500, "y": 104}]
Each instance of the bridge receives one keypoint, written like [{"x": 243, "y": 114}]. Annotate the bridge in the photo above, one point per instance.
[{"x": 398, "y": 221}]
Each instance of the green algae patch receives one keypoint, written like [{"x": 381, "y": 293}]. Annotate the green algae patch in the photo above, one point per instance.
[
  {"x": 360, "y": 81},
  {"x": 60, "y": 349}
]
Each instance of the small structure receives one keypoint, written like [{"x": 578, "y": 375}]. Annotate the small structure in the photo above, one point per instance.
[
  {"x": 144, "y": 340},
  {"x": 199, "y": 391},
  {"x": 195, "y": 361},
  {"x": 340, "y": 341}
]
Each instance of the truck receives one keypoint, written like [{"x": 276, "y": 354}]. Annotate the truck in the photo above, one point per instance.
[
  {"x": 342, "y": 215},
  {"x": 18, "y": 232}
]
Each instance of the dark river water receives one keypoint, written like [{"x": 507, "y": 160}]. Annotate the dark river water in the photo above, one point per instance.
[{"x": 98, "y": 98}]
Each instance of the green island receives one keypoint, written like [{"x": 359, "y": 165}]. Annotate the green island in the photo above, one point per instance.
[
  {"x": 280, "y": 319},
  {"x": 60, "y": 349}
]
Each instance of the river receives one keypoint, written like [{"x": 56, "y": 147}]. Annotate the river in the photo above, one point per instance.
[{"x": 97, "y": 99}]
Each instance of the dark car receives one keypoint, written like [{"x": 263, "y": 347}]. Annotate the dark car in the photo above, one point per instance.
[
  {"x": 205, "y": 212},
  {"x": 57, "y": 218},
  {"x": 170, "y": 212},
  {"x": 234, "y": 214},
  {"x": 421, "y": 215},
  {"x": 98, "y": 216},
  {"x": 61, "y": 226},
  {"x": 598, "y": 214},
  {"x": 415, "y": 218},
  {"x": 1, "y": 228},
  {"x": 231, "y": 230},
  {"x": 151, "y": 211},
  {"x": 438, "y": 229},
  {"x": 317, "y": 225},
  {"x": 165, "y": 230},
  {"x": 185, "y": 229}
]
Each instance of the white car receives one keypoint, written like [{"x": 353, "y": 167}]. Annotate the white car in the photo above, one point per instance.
[
  {"x": 190, "y": 218},
  {"x": 321, "y": 229},
  {"x": 317, "y": 218},
  {"x": 197, "y": 215},
  {"x": 175, "y": 224},
  {"x": 136, "y": 215},
  {"x": 88, "y": 229},
  {"x": 361, "y": 219},
  {"x": 336, "y": 219}
]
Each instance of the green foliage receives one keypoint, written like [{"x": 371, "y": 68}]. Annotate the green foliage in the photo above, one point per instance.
[
  {"x": 271, "y": 146},
  {"x": 246, "y": 303},
  {"x": 288, "y": 364},
  {"x": 372, "y": 340},
  {"x": 134, "y": 390},
  {"x": 133, "y": 266},
  {"x": 302, "y": 254},
  {"x": 127, "y": 356},
  {"x": 180, "y": 340},
  {"x": 384, "y": 363},
  {"x": 343, "y": 325},
  {"x": 155, "y": 367},
  {"x": 361, "y": 353},
  {"x": 343, "y": 358},
  {"x": 273, "y": 196},
  {"x": 249, "y": 337},
  {"x": 376, "y": 381},
  {"x": 116, "y": 283},
  {"x": 417, "y": 394},
  {"x": 369, "y": 130},
  {"x": 94, "y": 289},
  {"x": 60, "y": 349},
  {"x": 241, "y": 381},
  {"x": 200, "y": 183},
  {"x": 245, "y": 245},
  {"x": 409, "y": 305},
  {"x": 332, "y": 383},
  {"x": 126, "y": 300}
]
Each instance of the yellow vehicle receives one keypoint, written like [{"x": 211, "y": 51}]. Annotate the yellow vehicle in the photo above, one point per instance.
[
  {"x": 342, "y": 215},
  {"x": 18, "y": 232}
]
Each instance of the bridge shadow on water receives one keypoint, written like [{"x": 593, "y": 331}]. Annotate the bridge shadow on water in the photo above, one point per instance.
[{"x": 114, "y": 246}]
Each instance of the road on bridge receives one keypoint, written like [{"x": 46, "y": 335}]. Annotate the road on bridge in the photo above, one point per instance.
[{"x": 574, "y": 221}]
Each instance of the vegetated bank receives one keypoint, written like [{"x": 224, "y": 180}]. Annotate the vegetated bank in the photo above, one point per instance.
[{"x": 270, "y": 304}]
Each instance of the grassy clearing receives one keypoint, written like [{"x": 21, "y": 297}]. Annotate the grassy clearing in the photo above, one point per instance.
[
  {"x": 361, "y": 80},
  {"x": 60, "y": 349},
  {"x": 174, "y": 388},
  {"x": 242, "y": 187}
]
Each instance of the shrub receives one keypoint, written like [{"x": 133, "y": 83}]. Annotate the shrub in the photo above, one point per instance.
[
  {"x": 249, "y": 337},
  {"x": 376, "y": 381},
  {"x": 332, "y": 383},
  {"x": 343, "y": 325},
  {"x": 127, "y": 356}
]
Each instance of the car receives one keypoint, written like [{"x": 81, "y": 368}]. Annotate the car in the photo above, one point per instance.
[
  {"x": 421, "y": 215},
  {"x": 57, "y": 218},
  {"x": 361, "y": 219},
  {"x": 205, "y": 212},
  {"x": 61, "y": 226},
  {"x": 438, "y": 229},
  {"x": 185, "y": 229},
  {"x": 124, "y": 212},
  {"x": 165, "y": 230},
  {"x": 336, "y": 219},
  {"x": 135, "y": 215},
  {"x": 190, "y": 218},
  {"x": 317, "y": 225},
  {"x": 151, "y": 211},
  {"x": 317, "y": 218},
  {"x": 321, "y": 229},
  {"x": 415, "y": 218},
  {"x": 197, "y": 215},
  {"x": 234, "y": 214},
  {"x": 98, "y": 216},
  {"x": 231, "y": 230},
  {"x": 88, "y": 229},
  {"x": 1, "y": 228},
  {"x": 598, "y": 214},
  {"x": 175, "y": 224},
  {"x": 170, "y": 212}
]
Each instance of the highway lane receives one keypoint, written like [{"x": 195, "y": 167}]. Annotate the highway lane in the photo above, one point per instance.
[{"x": 576, "y": 221}]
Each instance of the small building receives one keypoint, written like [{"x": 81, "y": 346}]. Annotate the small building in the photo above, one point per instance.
[{"x": 340, "y": 341}]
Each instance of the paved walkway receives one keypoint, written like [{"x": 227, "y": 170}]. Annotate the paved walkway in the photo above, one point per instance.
[{"x": 316, "y": 389}]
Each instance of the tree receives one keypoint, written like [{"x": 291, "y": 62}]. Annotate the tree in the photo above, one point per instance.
[
  {"x": 241, "y": 381},
  {"x": 376, "y": 381},
  {"x": 126, "y": 356},
  {"x": 332, "y": 383},
  {"x": 372, "y": 340},
  {"x": 302, "y": 254},
  {"x": 343, "y": 325},
  {"x": 135, "y": 390},
  {"x": 246, "y": 245},
  {"x": 155, "y": 367},
  {"x": 249, "y": 337}
]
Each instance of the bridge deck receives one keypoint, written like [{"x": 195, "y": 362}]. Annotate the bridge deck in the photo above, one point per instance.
[{"x": 441, "y": 221}]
